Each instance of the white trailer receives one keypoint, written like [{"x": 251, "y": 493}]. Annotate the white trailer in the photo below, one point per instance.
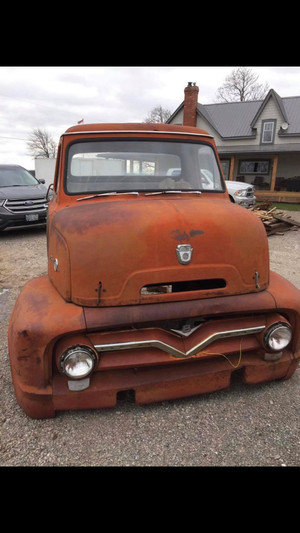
[{"x": 44, "y": 169}]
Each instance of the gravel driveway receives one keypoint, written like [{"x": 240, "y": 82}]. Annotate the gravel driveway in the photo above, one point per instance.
[{"x": 241, "y": 426}]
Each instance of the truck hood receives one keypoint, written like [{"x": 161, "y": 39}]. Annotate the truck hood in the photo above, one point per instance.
[{"x": 111, "y": 251}]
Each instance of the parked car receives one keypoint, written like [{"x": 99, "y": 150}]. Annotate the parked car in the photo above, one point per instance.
[
  {"x": 23, "y": 199},
  {"x": 241, "y": 193}
]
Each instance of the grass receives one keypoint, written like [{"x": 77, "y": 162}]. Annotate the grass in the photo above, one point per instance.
[
  {"x": 287, "y": 207},
  {"x": 284, "y": 206}
]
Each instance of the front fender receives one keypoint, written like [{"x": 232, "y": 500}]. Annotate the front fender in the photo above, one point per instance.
[{"x": 40, "y": 316}]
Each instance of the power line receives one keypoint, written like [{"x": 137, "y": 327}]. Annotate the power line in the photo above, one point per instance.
[
  {"x": 13, "y": 138},
  {"x": 40, "y": 103}
]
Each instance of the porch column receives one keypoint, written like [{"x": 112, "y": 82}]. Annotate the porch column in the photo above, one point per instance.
[
  {"x": 274, "y": 173},
  {"x": 232, "y": 163}
]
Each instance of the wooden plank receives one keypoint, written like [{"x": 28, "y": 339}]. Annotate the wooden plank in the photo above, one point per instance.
[
  {"x": 280, "y": 228},
  {"x": 287, "y": 220},
  {"x": 275, "y": 222}
]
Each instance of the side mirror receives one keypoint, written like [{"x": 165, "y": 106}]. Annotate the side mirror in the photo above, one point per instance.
[
  {"x": 49, "y": 194},
  {"x": 42, "y": 181}
]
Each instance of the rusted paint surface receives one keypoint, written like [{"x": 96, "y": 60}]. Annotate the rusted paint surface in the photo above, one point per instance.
[
  {"x": 131, "y": 242},
  {"x": 106, "y": 318},
  {"x": 155, "y": 384},
  {"x": 40, "y": 324},
  {"x": 127, "y": 255},
  {"x": 103, "y": 251},
  {"x": 40, "y": 316}
]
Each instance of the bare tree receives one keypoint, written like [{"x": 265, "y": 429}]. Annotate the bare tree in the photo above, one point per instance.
[
  {"x": 158, "y": 114},
  {"x": 242, "y": 84},
  {"x": 41, "y": 144}
]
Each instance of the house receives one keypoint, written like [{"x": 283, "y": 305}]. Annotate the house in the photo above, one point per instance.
[{"x": 258, "y": 141}]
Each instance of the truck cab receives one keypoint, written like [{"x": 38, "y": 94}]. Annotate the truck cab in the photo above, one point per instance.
[{"x": 157, "y": 283}]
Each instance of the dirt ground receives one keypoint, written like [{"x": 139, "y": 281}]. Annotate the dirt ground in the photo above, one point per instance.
[{"x": 241, "y": 426}]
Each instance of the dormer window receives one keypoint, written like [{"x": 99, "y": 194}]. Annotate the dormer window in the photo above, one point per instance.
[{"x": 267, "y": 131}]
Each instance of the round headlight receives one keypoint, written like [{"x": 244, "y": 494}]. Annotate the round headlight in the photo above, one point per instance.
[
  {"x": 278, "y": 336},
  {"x": 78, "y": 362}
]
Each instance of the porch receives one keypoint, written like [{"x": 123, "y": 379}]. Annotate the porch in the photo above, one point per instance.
[{"x": 276, "y": 176}]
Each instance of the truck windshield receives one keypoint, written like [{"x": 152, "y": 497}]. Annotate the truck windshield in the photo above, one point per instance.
[{"x": 130, "y": 165}]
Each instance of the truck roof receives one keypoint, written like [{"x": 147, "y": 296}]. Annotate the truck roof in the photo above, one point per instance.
[{"x": 144, "y": 127}]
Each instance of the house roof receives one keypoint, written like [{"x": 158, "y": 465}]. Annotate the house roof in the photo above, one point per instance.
[{"x": 232, "y": 120}]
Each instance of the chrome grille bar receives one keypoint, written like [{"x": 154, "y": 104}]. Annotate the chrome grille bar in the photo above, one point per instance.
[
  {"x": 22, "y": 206},
  {"x": 171, "y": 350}
]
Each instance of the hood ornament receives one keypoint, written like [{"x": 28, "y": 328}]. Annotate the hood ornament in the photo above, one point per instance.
[{"x": 184, "y": 253}]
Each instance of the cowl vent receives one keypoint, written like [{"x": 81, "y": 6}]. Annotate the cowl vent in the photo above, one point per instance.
[{"x": 184, "y": 286}]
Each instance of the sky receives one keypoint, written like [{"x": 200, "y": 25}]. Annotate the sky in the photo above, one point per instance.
[{"x": 54, "y": 98}]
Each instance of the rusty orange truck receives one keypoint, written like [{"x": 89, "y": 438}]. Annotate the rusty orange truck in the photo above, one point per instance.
[{"x": 157, "y": 283}]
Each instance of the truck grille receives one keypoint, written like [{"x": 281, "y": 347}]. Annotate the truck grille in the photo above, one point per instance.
[
  {"x": 250, "y": 191},
  {"x": 23, "y": 206}
]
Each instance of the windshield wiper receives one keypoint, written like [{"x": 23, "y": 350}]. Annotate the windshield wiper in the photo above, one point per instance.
[
  {"x": 136, "y": 194},
  {"x": 172, "y": 192},
  {"x": 106, "y": 194}
]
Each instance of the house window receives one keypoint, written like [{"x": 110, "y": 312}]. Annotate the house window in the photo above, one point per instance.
[
  {"x": 267, "y": 131},
  {"x": 225, "y": 167},
  {"x": 256, "y": 172},
  {"x": 288, "y": 184},
  {"x": 260, "y": 166}
]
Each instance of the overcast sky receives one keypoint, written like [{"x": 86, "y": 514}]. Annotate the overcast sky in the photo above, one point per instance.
[{"x": 55, "y": 98}]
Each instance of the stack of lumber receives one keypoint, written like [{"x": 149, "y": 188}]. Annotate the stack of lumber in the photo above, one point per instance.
[{"x": 276, "y": 222}]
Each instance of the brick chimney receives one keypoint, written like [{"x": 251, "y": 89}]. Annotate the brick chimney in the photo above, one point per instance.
[{"x": 190, "y": 104}]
